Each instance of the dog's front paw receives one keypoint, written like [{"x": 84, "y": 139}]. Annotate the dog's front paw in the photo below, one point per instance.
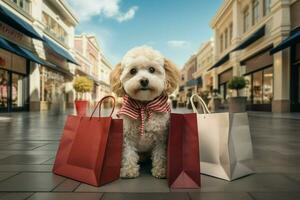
[
  {"x": 159, "y": 172},
  {"x": 131, "y": 172}
]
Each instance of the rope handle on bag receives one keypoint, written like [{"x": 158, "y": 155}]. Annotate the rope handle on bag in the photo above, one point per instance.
[
  {"x": 202, "y": 103},
  {"x": 100, "y": 103}
]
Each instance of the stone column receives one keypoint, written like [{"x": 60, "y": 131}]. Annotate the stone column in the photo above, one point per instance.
[
  {"x": 281, "y": 65},
  {"x": 281, "y": 99},
  {"x": 204, "y": 87},
  {"x": 71, "y": 94},
  {"x": 34, "y": 87},
  {"x": 237, "y": 23},
  {"x": 215, "y": 79}
]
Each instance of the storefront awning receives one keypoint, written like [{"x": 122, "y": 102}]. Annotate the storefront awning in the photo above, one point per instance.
[
  {"x": 194, "y": 82},
  {"x": 16, "y": 22},
  {"x": 223, "y": 60},
  {"x": 20, "y": 51},
  {"x": 292, "y": 39},
  {"x": 251, "y": 39},
  {"x": 60, "y": 51},
  {"x": 199, "y": 81},
  {"x": 57, "y": 68}
]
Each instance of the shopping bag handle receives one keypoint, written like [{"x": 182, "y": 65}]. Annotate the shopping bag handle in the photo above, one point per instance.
[
  {"x": 100, "y": 103},
  {"x": 202, "y": 103}
]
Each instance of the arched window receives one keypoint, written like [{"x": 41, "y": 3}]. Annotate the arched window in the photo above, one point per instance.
[
  {"x": 267, "y": 7},
  {"x": 230, "y": 33},
  {"x": 246, "y": 19},
  {"x": 221, "y": 43},
  {"x": 255, "y": 11},
  {"x": 226, "y": 39}
]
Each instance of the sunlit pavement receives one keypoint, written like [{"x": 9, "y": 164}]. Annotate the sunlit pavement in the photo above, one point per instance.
[{"x": 28, "y": 143}]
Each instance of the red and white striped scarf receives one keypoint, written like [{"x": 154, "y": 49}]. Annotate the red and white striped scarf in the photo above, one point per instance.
[{"x": 136, "y": 109}]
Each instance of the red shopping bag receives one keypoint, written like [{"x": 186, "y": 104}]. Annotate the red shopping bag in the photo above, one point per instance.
[
  {"x": 183, "y": 152},
  {"x": 90, "y": 148}
]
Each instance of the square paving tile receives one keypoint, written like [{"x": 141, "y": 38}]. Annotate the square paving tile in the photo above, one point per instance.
[
  {"x": 255, "y": 183},
  {"x": 49, "y": 162},
  {"x": 276, "y": 196},
  {"x": 144, "y": 183},
  {"x": 31, "y": 182},
  {"x": 144, "y": 196},
  {"x": 25, "y": 168},
  {"x": 219, "y": 196},
  {"x": 22, "y": 146},
  {"x": 14, "y": 196},
  {"x": 66, "y": 196},
  {"x": 48, "y": 147},
  {"x": 25, "y": 159},
  {"x": 5, "y": 175},
  {"x": 294, "y": 176},
  {"x": 68, "y": 185},
  {"x": 3, "y": 155}
]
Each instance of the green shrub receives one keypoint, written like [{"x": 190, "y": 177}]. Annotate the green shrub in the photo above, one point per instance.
[
  {"x": 82, "y": 84},
  {"x": 237, "y": 83}
]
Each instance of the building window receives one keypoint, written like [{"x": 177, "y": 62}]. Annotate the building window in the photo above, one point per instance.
[
  {"x": 226, "y": 39},
  {"x": 23, "y": 4},
  {"x": 255, "y": 11},
  {"x": 230, "y": 33},
  {"x": 221, "y": 43},
  {"x": 259, "y": 88},
  {"x": 54, "y": 28},
  {"x": 51, "y": 84},
  {"x": 246, "y": 19},
  {"x": 267, "y": 7}
]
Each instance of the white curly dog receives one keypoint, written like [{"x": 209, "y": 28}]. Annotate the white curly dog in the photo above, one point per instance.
[{"x": 144, "y": 78}]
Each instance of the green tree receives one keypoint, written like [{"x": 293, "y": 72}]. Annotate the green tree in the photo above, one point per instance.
[
  {"x": 237, "y": 83},
  {"x": 82, "y": 84}
]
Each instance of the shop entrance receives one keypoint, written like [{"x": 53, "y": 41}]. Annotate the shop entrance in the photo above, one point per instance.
[
  {"x": 295, "y": 88},
  {"x": 13, "y": 91},
  {"x": 295, "y": 78},
  {"x": 259, "y": 89}
]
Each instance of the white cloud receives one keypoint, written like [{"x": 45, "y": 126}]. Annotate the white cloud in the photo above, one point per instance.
[
  {"x": 178, "y": 43},
  {"x": 86, "y": 9},
  {"x": 128, "y": 15}
]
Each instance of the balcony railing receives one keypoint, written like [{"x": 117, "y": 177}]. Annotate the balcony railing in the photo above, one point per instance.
[
  {"x": 25, "y": 11},
  {"x": 61, "y": 39}
]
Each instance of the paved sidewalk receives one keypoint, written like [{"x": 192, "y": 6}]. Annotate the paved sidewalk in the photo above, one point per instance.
[{"x": 28, "y": 143}]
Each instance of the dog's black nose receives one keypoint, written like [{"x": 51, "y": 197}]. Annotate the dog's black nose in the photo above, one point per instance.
[{"x": 144, "y": 82}]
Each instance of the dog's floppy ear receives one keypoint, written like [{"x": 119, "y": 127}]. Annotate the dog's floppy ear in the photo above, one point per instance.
[
  {"x": 172, "y": 76},
  {"x": 115, "y": 81}
]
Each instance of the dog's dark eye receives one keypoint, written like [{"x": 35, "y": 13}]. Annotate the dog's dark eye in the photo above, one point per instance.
[
  {"x": 133, "y": 71},
  {"x": 151, "y": 70}
]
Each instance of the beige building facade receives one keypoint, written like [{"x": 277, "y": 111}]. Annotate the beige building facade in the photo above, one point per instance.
[
  {"x": 93, "y": 64},
  {"x": 258, "y": 39},
  {"x": 36, "y": 58},
  {"x": 205, "y": 59},
  {"x": 188, "y": 85}
]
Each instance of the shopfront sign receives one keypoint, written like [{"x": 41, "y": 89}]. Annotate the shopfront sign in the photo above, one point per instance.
[{"x": 14, "y": 35}]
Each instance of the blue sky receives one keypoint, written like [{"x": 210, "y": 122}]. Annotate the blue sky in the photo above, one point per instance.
[{"x": 174, "y": 27}]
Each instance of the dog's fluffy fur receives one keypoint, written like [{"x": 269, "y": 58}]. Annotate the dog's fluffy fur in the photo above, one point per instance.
[{"x": 163, "y": 81}]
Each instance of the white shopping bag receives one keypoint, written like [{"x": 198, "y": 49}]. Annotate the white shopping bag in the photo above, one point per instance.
[{"x": 224, "y": 142}]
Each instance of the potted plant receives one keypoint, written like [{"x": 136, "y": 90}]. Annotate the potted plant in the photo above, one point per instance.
[
  {"x": 82, "y": 85},
  {"x": 238, "y": 103}
]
